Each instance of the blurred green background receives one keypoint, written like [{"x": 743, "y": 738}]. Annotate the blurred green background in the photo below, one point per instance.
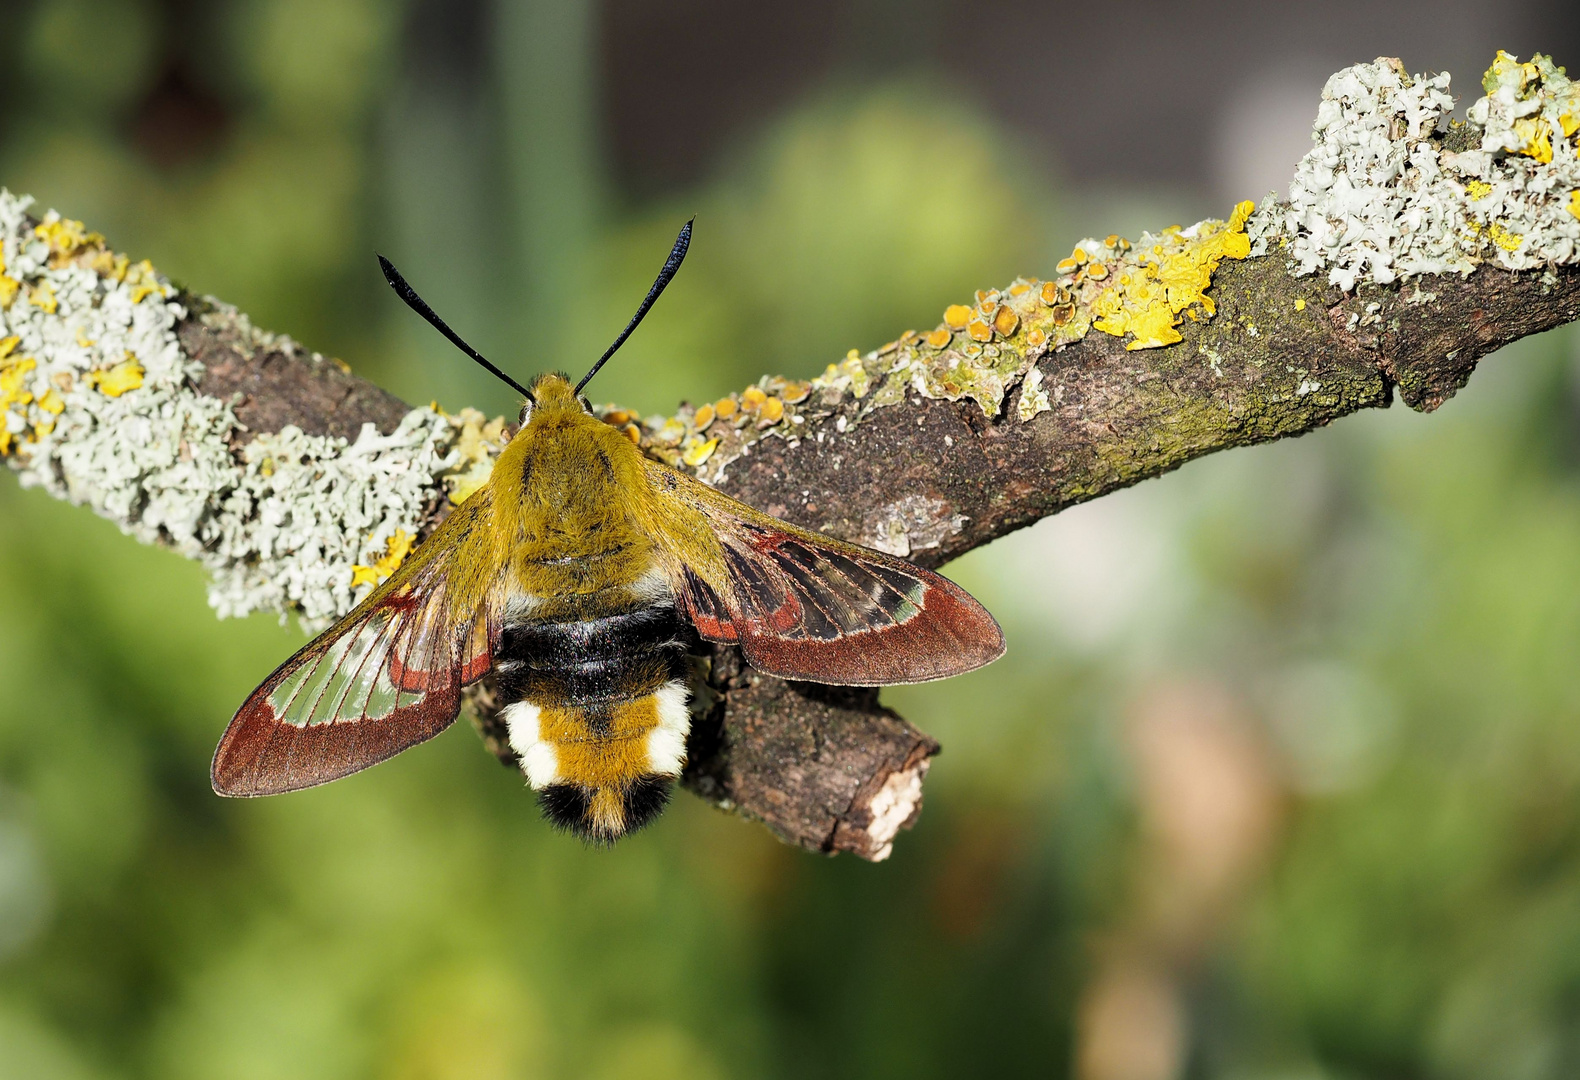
[{"x": 1280, "y": 778}]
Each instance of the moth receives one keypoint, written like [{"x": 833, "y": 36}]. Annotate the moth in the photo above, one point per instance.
[{"x": 580, "y": 575}]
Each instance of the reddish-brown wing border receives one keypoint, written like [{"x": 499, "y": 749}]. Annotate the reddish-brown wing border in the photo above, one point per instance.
[
  {"x": 802, "y": 605},
  {"x": 423, "y": 632}
]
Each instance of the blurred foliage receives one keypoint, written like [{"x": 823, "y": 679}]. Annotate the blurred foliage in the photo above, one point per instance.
[{"x": 1281, "y": 776}]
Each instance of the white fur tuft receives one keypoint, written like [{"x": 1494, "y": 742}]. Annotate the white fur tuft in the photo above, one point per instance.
[
  {"x": 538, "y": 759},
  {"x": 666, "y": 744}
]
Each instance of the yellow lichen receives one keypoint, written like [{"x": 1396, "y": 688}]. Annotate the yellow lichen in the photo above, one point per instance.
[
  {"x": 65, "y": 236},
  {"x": 144, "y": 281},
  {"x": 1005, "y": 321},
  {"x": 1300, "y": 305},
  {"x": 115, "y": 381},
  {"x": 773, "y": 411},
  {"x": 13, "y": 391},
  {"x": 670, "y": 432},
  {"x": 1148, "y": 301},
  {"x": 477, "y": 445},
  {"x": 8, "y": 345},
  {"x": 43, "y": 295},
  {"x": 853, "y": 370},
  {"x": 703, "y": 417},
  {"x": 1574, "y": 202},
  {"x": 9, "y": 286},
  {"x": 396, "y": 548},
  {"x": 940, "y": 338},
  {"x": 1537, "y": 139},
  {"x": 1478, "y": 189},
  {"x": 752, "y": 399},
  {"x": 698, "y": 450},
  {"x": 956, "y": 316},
  {"x": 1508, "y": 241}
]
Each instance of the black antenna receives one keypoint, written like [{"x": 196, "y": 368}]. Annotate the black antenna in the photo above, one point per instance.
[
  {"x": 417, "y": 304},
  {"x": 671, "y": 264}
]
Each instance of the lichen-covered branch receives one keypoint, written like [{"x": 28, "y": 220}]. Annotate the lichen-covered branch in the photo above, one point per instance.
[{"x": 1410, "y": 247}]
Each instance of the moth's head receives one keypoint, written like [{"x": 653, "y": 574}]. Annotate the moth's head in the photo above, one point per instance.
[{"x": 552, "y": 395}]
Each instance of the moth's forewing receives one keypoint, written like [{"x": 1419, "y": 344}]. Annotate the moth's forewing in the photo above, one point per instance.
[
  {"x": 806, "y": 606},
  {"x": 386, "y": 677}
]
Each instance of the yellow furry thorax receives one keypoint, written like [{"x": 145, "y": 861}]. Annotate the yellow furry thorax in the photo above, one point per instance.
[{"x": 568, "y": 492}]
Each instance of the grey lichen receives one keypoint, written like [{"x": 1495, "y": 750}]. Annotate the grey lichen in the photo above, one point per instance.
[
  {"x": 1379, "y": 197},
  {"x": 99, "y": 406}
]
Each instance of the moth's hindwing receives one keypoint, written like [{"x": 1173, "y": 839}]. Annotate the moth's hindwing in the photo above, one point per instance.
[
  {"x": 386, "y": 677},
  {"x": 806, "y": 606}
]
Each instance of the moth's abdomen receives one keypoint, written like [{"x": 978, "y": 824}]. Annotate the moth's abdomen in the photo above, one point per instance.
[{"x": 597, "y": 713}]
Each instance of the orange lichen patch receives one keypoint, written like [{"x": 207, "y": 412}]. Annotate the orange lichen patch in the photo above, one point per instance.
[
  {"x": 1173, "y": 276},
  {"x": 697, "y": 451},
  {"x": 1063, "y": 314},
  {"x": 1020, "y": 288},
  {"x": 1080, "y": 256},
  {"x": 956, "y": 316},
  {"x": 115, "y": 381},
  {"x": 796, "y": 391},
  {"x": 42, "y": 295},
  {"x": 1067, "y": 266},
  {"x": 752, "y": 399},
  {"x": 703, "y": 417},
  {"x": 1005, "y": 321},
  {"x": 725, "y": 408},
  {"x": 1050, "y": 293},
  {"x": 979, "y": 330},
  {"x": 941, "y": 337},
  {"x": 396, "y": 548},
  {"x": 1035, "y": 338},
  {"x": 632, "y": 432},
  {"x": 621, "y": 417},
  {"x": 773, "y": 411},
  {"x": 1097, "y": 271}
]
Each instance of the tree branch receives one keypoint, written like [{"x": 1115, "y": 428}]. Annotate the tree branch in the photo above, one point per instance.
[{"x": 295, "y": 481}]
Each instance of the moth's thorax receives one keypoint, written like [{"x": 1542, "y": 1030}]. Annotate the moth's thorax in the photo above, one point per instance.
[{"x": 568, "y": 491}]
